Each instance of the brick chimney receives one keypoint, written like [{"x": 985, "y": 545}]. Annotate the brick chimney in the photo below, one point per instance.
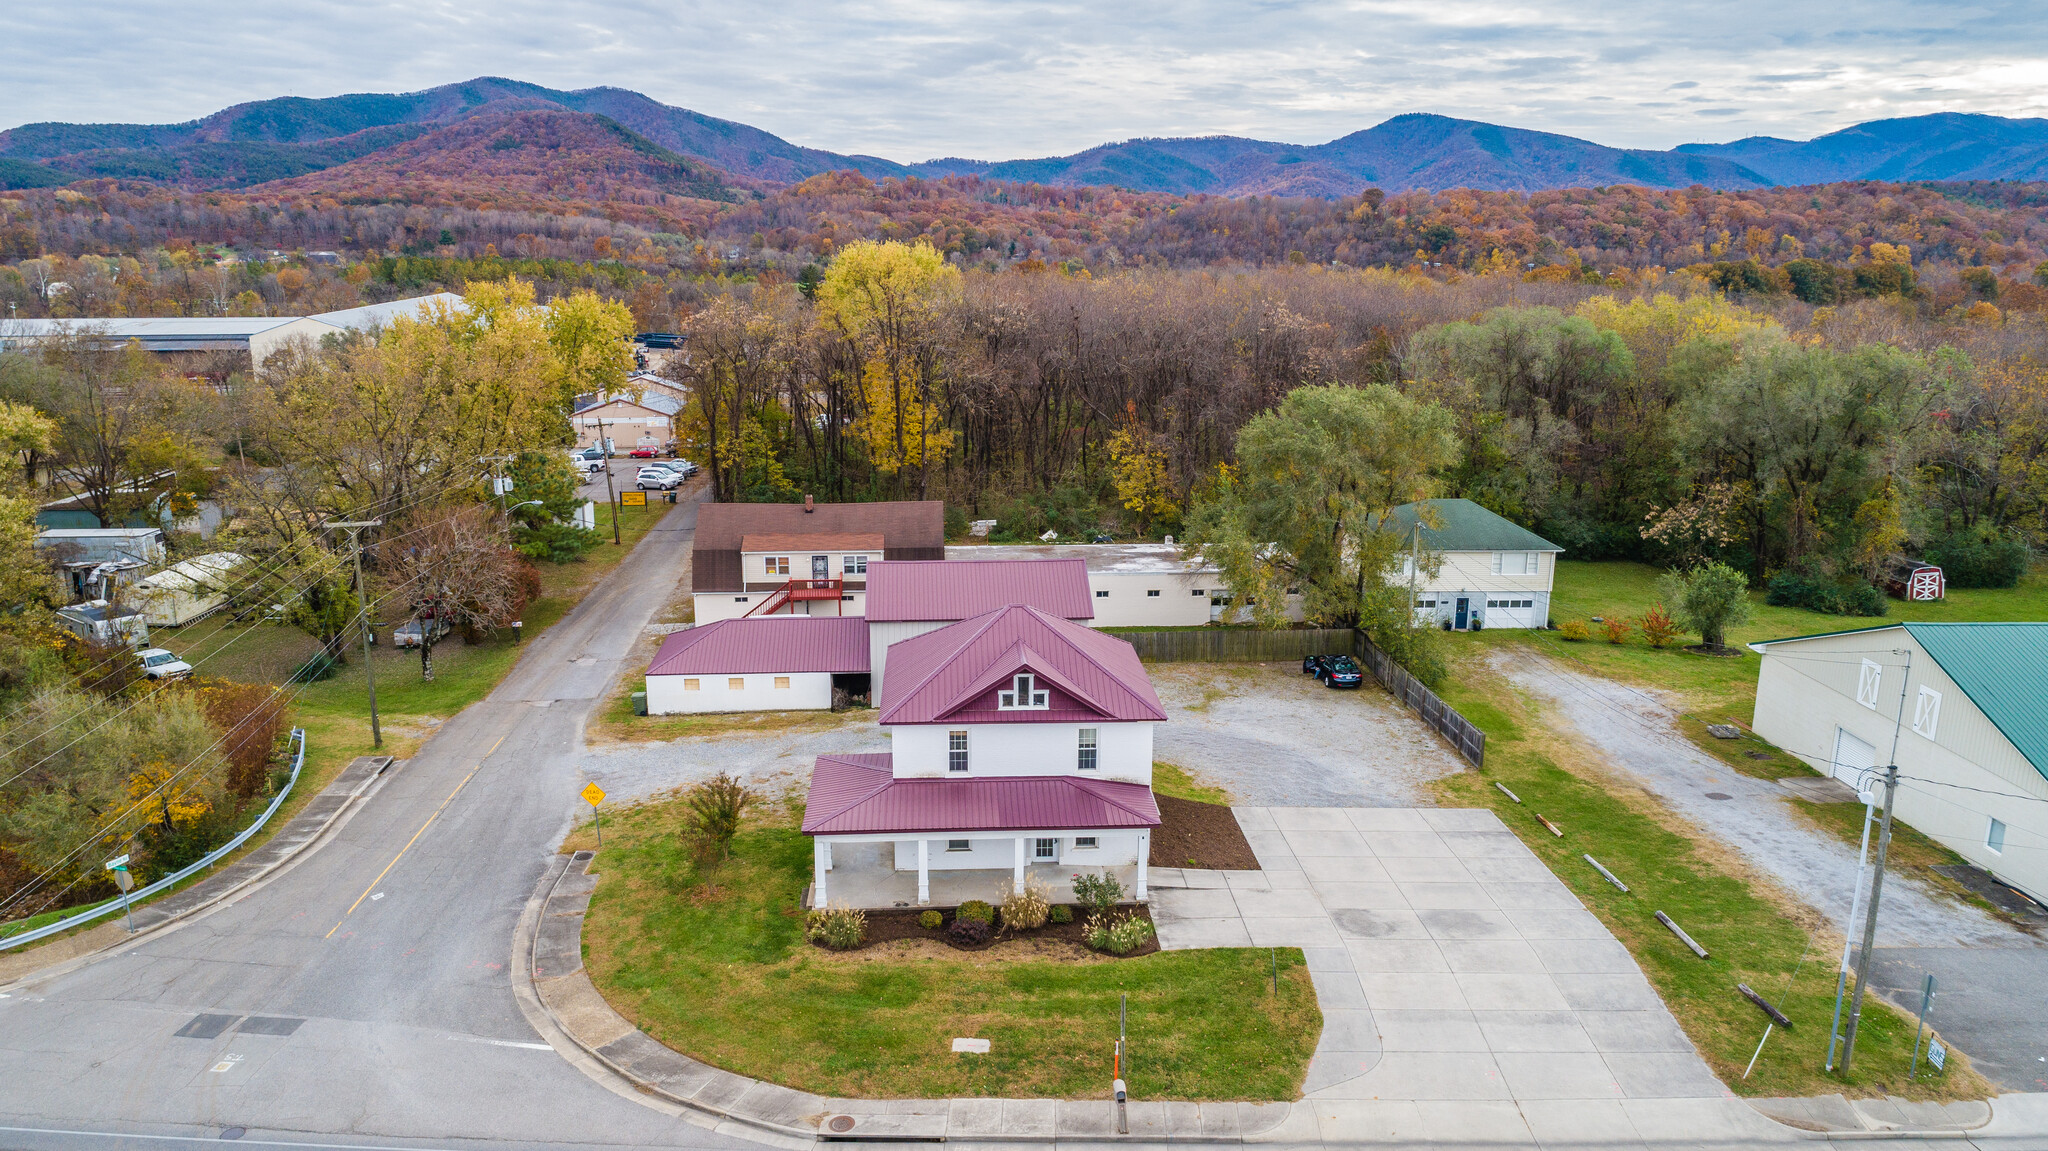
[{"x": 808, "y": 508}]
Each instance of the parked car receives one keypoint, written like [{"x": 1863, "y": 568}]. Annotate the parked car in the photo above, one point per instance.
[
  {"x": 688, "y": 469},
  {"x": 160, "y": 664},
  {"x": 1334, "y": 670},
  {"x": 641, "y": 453},
  {"x": 413, "y": 632},
  {"x": 589, "y": 453},
  {"x": 658, "y": 478}
]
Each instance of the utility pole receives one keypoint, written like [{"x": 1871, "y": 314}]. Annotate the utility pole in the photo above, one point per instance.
[
  {"x": 611, "y": 496},
  {"x": 362, "y": 616},
  {"x": 500, "y": 485},
  {"x": 1884, "y": 841}
]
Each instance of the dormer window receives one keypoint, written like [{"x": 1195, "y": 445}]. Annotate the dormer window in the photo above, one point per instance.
[{"x": 1023, "y": 695}]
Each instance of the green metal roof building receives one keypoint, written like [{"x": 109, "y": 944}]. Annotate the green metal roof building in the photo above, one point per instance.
[{"x": 1479, "y": 568}]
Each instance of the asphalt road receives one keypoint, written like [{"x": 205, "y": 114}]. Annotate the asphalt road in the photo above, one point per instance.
[
  {"x": 384, "y": 956},
  {"x": 1991, "y": 1002}
]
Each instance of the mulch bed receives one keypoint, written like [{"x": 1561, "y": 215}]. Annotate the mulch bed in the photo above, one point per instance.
[
  {"x": 1206, "y": 835},
  {"x": 884, "y": 926}
]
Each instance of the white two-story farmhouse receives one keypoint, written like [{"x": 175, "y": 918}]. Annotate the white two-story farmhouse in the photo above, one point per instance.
[{"x": 1491, "y": 572}]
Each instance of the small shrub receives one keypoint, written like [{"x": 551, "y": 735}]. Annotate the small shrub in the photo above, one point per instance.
[
  {"x": 1617, "y": 630},
  {"x": 1833, "y": 597},
  {"x": 971, "y": 932},
  {"x": 840, "y": 928},
  {"x": 930, "y": 920},
  {"x": 716, "y": 806},
  {"x": 1061, "y": 914},
  {"x": 1099, "y": 892},
  {"x": 1026, "y": 908},
  {"x": 1573, "y": 630},
  {"x": 976, "y": 911},
  {"x": 1118, "y": 935},
  {"x": 1658, "y": 627}
]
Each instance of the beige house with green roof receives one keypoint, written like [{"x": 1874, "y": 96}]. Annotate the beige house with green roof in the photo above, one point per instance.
[{"x": 1488, "y": 570}]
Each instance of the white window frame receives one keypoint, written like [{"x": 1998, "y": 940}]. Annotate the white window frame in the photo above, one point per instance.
[
  {"x": 1994, "y": 836},
  {"x": 1088, "y": 750},
  {"x": 853, "y": 565},
  {"x": 1869, "y": 683},
  {"x": 1045, "y": 849},
  {"x": 1927, "y": 712},
  {"x": 1024, "y": 695},
  {"x": 959, "y": 845},
  {"x": 956, "y": 752},
  {"x": 1086, "y": 843},
  {"x": 1200, "y": 592},
  {"x": 776, "y": 565}
]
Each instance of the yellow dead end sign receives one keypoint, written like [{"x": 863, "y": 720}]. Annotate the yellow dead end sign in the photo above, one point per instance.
[
  {"x": 594, "y": 795},
  {"x": 633, "y": 499}
]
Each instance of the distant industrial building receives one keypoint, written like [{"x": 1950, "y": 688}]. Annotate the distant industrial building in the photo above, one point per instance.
[{"x": 199, "y": 344}]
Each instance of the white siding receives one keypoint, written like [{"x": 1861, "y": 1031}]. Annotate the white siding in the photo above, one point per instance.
[
  {"x": 1471, "y": 576},
  {"x": 882, "y": 633},
  {"x": 1807, "y": 690},
  {"x": 1114, "y": 849},
  {"x": 1129, "y": 603},
  {"x": 714, "y": 606},
  {"x": 1123, "y": 750},
  {"x": 807, "y": 691}
]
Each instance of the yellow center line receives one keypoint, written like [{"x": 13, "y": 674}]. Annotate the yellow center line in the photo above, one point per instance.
[{"x": 415, "y": 839}]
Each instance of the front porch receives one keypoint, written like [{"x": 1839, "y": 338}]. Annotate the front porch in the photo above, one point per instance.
[{"x": 865, "y": 872}]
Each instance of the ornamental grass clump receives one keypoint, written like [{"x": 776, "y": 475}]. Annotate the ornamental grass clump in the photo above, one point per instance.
[
  {"x": 838, "y": 927},
  {"x": 1118, "y": 935},
  {"x": 1026, "y": 908}
]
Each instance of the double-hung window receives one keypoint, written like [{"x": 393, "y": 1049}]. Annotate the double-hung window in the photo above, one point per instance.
[
  {"x": 778, "y": 565},
  {"x": 854, "y": 565},
  {"x": 956, "y": 751},
  {"x": 1085, "y": 760}
]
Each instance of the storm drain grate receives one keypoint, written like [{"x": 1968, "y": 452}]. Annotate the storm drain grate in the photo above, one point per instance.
[
  {"x": 206, "y": 1026},
  {"x": 269, "y": 1025}
]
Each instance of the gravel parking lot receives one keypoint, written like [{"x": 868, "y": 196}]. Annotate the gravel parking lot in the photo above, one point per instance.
[{"x": 1274, "y": 737}]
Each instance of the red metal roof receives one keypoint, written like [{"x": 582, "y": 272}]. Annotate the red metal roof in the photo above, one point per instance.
[
  {"x": 944, "y": 590},
  {"x": 790, "y": 643},
  {"x": 953, "y": 673},
  {"x": 855, "y": 794}
]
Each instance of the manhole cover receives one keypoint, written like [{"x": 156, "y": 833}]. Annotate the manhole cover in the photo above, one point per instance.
[
  {"x": 234, "y": 1132},
  {"x": 1719, "y": 795},
  {"x": 841, "y": 1123}
]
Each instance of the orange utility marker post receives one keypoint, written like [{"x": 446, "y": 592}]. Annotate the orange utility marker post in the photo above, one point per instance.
[{"x": 594, "y": 795}]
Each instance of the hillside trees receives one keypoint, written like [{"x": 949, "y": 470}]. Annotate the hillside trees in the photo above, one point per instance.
[{"x": 886, "y": 299}]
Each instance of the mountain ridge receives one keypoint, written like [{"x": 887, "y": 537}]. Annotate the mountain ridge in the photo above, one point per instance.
[{"x": 262, "y": 142}]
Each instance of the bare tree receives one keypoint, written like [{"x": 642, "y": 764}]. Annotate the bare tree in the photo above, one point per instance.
[{"x": 453, "y": 568}]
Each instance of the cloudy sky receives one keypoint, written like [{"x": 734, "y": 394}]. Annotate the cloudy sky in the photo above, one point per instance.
[{"x": 916, "y": 79}]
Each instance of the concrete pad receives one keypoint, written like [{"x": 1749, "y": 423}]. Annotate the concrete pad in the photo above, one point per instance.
[
  {"x": 1030, "y": 1118},
  {"x": 1551, "y": 896},
  {"x": 1250, "y": 819},
  {"x": 1634, "y": 1031},
  {"x": 1507, "y": 869},
  {"x": 1268, "y": 845},
  {"x": 1564, "y": 923},
  {"x": 1460, "y": 819},
  {"x": 1376, "y": 955},
  {"x": 1245, "y": 881},
  {"x": 1467, "y": 923},
  {"x": 1665, "y": 1075},
  {"x": 1504, "y": 845},
  {"x": 1411, "y": 991},
  {"x": 1299, "y": 932},
  {"x": 1487, "y": 992},
  {"x": 1580, "y": 1122},
  {"x": 1446, "y": 896},
  {"x": 1287, "y": 879},
  {"x": 1186, "y": 904},
  {"x": 1333, "y": 959},
  {"x": 1278, "y": 905},
  {"x": 1495, "y": 956},
  {"x": 1557, "y": 1075},
  {"x": 1310, "y": 818},
  {"x": 1346, "y": 843},
  {"x": 1368, "y": 1121},
  {"x": 1220, "y": 1120},
  {"x": 1422, "y": 1075},
  {"x": 1195, "y": 934},
  {"x": 1165, "y": 877},
  {"x": 1396, "y": 923},
  {"x": 1387, "y": 844},
  {"x": 1202, "y": 879},
  {"x": 1329, "y": 1070},
  {"x": 1339, "y": 991},
  {"x": 1474, "y": 1123},
  {"x": 1703, "y": 1123},
  {"x": 1349, "y": 1030},
  {"x": 1323, "y": 869},
  {"x": 1424, "y": 869},
  {"x": 1527, "y": 1031},
  {"x": 1370, "y": 819},
  {"x": 1428, "y": 1031},
  {"x": 1364, "y": 896},
  {"x": 1085, "y": 1119},
  {"x": 1608, "y": 992},
  {"x": 1584, "y": 956},
  {"x": 1183, "y": 1121}
]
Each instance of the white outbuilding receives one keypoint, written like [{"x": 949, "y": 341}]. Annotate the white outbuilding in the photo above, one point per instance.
[
  {"x": 186, "y": 591},
  {"x": 1961, "y": 708},
  {"x": 759, "y": 663}
]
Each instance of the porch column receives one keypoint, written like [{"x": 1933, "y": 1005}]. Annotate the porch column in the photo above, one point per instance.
[
  {"x": 1144, "y": 856},
  {"x": 821, "y": 862},
  {"x": 1018, "y": 875},
  {"x": 924, "y": 871}
]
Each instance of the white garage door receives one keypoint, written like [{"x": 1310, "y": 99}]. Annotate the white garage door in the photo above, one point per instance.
[
  {"x": 1854, "y": 759},
  {"x": 1510, "y": 611}
]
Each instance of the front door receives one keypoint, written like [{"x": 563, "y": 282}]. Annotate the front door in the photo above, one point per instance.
[
  {"x": 1464, "y": 612},
  {"x": 821, "y": 567},
  {"x": 1046, "y": 850}
]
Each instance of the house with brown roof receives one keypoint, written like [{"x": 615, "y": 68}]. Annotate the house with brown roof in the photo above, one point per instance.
[
  {"x": 804, "y": 559},
  {"x": 1020, "y": 744}
]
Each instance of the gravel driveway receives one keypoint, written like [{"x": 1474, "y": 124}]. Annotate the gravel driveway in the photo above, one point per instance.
[
  {"x": 1638, "y": 732},
  {"x": 1274, "y": 737},
  {"x": 771, "y": 761}
]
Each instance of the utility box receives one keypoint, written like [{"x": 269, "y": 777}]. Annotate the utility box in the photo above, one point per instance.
[{"x": 639, "y": 703}]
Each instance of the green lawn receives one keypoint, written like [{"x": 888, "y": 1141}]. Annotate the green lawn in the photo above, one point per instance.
[
  {"x": 1174, "y": 780},
  {"x": 711, "y": 961}
]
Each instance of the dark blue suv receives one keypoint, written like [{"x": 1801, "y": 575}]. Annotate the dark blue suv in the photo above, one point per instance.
[{"x": 1334, "y": 670}]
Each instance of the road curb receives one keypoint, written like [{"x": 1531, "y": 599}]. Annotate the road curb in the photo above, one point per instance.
[
  {"x": 295, "y": 840},
  {"x": 552, "y": 951}
]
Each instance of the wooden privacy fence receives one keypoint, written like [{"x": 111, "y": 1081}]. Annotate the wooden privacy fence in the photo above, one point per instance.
[
  {"x": 1228, "y": 645},
  {"x": 1468, "y": 739}
]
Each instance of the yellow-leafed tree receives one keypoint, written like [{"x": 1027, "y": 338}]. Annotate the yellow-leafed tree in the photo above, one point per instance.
[{"x": 886, "y": 299}]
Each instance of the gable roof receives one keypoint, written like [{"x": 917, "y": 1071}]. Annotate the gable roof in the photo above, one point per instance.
[
  {"x": 1467, "y": 527},
  {"x": 815, "y": 541},
  {"x": 949, "y": 590},
  {"x": 935, "y": 675},
  {"x": 763, "y": 644},
  {"x": 2002, "y": 667},
  {"x": 855, "y": 794}
]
